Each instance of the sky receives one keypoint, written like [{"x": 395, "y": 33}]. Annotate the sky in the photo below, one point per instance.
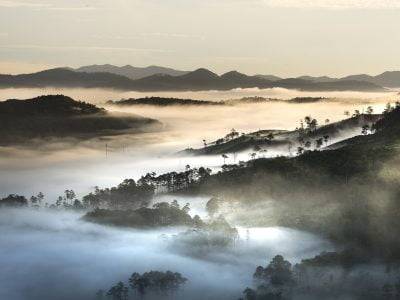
[{"x": 281, "y": 37}]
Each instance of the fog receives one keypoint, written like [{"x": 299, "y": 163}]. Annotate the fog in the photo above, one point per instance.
[
  {"x": 48, "y": 254},
  {"x": 102, "y": 95},
  {"x": 55, "y": 255},
  {"x": 53, "y": 166}
]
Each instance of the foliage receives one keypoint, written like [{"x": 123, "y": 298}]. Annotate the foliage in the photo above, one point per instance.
[
  {"x": 161, "y": 215},
  {"x": 126, "y": 195},
  {"x": 13, "y": 201},
  {"x": 157, "y": 282}
]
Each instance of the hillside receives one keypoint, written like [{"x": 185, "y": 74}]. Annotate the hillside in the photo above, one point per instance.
[
  {"x": 273, "y": 139},
  {"x": 58, "y": 116},
  {"x": 349, "y": 195}
]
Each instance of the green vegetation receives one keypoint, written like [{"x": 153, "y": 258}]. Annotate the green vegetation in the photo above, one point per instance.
[
  {"x": 155, "y": 283},
  {"x": 204, "y": 239},
  {"x": 161, "y": 215},
  {"x": 13, "y": 201},
  {"x": 327, "y": 276}
]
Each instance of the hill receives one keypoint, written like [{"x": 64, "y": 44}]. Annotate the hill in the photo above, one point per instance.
[
  {"x": 349, "y": 195},
  {"x": 58, "y": 116},
  {"x": 262, "y": 140},
  {"x": 161, "y": 101}
]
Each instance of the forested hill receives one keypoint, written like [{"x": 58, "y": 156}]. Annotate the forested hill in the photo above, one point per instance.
[
  {"x": 350, "y": 195},
  {"x": 261, "y": 140},
  {"x": 162, "y": 101},
  {"x": 58, "y": 116},
  {"x": 52, "y": 105}
]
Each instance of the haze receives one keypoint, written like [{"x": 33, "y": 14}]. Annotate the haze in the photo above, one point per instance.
[{"x": 286, "y": 38}]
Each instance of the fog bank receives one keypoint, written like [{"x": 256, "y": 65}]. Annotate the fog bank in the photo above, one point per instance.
[{"x": 55, "y": 255}]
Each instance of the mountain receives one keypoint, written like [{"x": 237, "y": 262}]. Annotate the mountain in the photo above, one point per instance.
[
  {"x": 387, "y": 79},
  {"x": 269, "y": 77},
  {"x": 390, "y": 79},
  {"x": 318, "y": 79},
  {"x": 129, "y": 71},
  {"x": 61, "y": 77},
  {"x": 201, "y": 79}
]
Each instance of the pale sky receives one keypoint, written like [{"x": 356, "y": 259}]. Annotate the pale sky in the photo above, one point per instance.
[{"x": 281, "y": 37}]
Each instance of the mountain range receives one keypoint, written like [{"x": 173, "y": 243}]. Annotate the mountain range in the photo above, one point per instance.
[
  {"x": 166, "y": 79},
  {"x": 389, "y": 79},
  {"x": 130, "y": 71}
]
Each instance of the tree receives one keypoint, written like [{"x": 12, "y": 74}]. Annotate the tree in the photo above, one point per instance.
[
  {"x": 347, "y": 113},
  {"x": 278, "y": 272},
  {"x": 204, "y": 143},
  {"x": 318, "y": 143},
  {"x": 138, "y": 283},
  {"x": 158, "y": 282},
  {"x": 365, "y": 129},
  {"x": 186, "y": 208},
  {"x": 257, "y": 148},
  {"x": 326, "y": 139},
  {"x": 59, "y": 201},
  {"x": 212, "y": 206},
  {"x": 388, "y": 108},
  {"x": 40, "y": 197},
  {"x": 34, "y": 200},
  {"x": 313, "y": 125},
  {"x": 224, "y": 156},
  {"x": 300, "y": 150},
  {"x": 327, "y": 121},
  {"x": 370, "y": 110},
  {"x": 253, "y": 155},
  {"x": 118, "y": 292},
  {"x": 13, "y": 201},
  {"x": 270, "y": 137},
  {"x": 249, "y": 294},
  {"x": 175, "y": 204},
  {"x": 100, "y": 295},
  {"x": 356, "y": 113},
  {"x": 69, "y": 196}
]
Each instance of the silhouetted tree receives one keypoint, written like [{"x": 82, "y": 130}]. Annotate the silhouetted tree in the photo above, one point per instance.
[
  {"x": 118, "y": 292},
  {"x": 365, "y": 129},
  {"x": 13, "y": 201},
  {"x": 370, "y": 110}
]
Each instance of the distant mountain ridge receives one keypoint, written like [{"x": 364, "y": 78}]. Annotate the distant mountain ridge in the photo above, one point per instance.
[
  {"x": 389, "y": 79},
  {"x": 201, "y": 79},
  {"x": 130, "y": 71}
]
